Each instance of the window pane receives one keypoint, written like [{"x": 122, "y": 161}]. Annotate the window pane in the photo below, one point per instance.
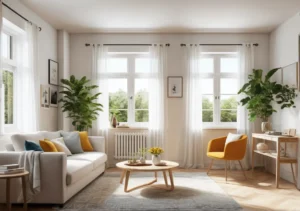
[
  {"x": 207, "y": 102},
  {"x": 142, "y": 65},
  {"x": 229, "y": 102},
  {"x": 229, "y": 65},
  {"x": 5, "y": 46},
  {"x": 8, "y": 81},
  {"x": 141, "y": 94},
  {"x": 228, "y": 115},
  {"x": 207, "y": 86},
  {"x": 117, "y": 65},
  {"x": 141, "y": 115},
  {"x": 118, "y": 99},
  {"x": 228, "y": 86},
  {"x": 207, "y": 65},
  {"x": 207, "y": 115}
]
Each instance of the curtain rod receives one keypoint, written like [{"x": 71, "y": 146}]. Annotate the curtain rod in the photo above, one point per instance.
[
  {"x": 255, "y": 44},
  {"x": 40, "y": 28},
  {"x": 88, "y": 44}
]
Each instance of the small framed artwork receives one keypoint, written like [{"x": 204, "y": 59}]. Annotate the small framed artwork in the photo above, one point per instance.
[
  {"x": 175, "y": 86},
  {"x": 53, "y": 96},
  {"x": 290, "y": 75},
  {"x": 53, "y": 72},
  {"x": 45, "y": 100}
]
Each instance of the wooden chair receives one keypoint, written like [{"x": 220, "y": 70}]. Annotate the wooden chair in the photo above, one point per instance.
[{"x": 232, "y": 151}]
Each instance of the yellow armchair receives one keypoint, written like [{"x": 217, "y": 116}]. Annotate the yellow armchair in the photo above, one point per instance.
[{"x": 235, "y": 150}]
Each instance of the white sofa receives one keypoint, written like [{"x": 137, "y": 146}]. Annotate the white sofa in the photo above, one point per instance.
[{"x": 61, "y": 176}]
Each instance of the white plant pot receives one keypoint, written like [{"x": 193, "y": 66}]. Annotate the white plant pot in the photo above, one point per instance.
[{"x": 266, "y": 126}]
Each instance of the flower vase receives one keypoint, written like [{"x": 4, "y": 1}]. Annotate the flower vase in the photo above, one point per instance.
[
  {"x": 156, "y": 159},
  {"x": 142, "y": 160},
  {"x": 265, "y": 127}
]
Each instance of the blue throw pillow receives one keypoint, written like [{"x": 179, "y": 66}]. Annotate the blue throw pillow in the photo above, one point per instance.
[
  {"x": 72, "y": 141},
  {"x": 29, "y": 145}
]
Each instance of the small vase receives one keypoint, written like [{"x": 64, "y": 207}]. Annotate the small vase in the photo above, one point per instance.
[
  {"x": 265, "y": 127},
  {"x": 142, "y": 160},
  {"x": 156, "y": 159},
  {"x": 114, "y": 122}
]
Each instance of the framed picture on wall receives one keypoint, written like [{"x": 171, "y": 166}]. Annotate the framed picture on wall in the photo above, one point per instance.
[
  {"x": 44, "y": 94},
  {"x": 53, "y": 72},
  {"x": 53, "y": 96},
  {"x": 175, "y": 86},
  {"x": 290, "y": 75}
]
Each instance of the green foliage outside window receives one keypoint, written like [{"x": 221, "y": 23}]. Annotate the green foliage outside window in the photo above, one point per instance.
[{"x": 8, "y": 82}]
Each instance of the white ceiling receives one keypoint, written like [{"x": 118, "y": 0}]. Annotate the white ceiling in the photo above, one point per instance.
[{"x": 165, "y": 16}]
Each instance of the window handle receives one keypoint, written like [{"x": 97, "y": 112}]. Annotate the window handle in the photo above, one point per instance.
[{"x": 130, "y": 97}]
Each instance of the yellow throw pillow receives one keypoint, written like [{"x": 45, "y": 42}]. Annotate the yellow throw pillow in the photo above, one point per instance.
[
  {"x": 48, "y": 146},
  {"x": 85, "y": 142}
]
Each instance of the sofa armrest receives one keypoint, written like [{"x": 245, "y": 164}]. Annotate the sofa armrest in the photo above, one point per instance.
[{"x": 98, "y": 143}]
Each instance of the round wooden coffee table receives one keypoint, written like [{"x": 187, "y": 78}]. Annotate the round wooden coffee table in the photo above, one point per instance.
[
  {"x": 151, "y": 168},
  {"x": 8, "y": 177}
]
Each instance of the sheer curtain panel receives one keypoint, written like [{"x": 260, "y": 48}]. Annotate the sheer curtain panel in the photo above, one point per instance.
[
  {"x": 100, "y": 78},
  {"x": 27, "y": 84},
  {"x": 158, "y": 55},
  {"x": 192, "y": 150},
  {"x": 244, "y": 126}
]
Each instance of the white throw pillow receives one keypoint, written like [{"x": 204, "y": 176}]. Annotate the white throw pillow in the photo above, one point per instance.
[
  {"x": 61, "y": 146},
  {"x": 232, "y": 137}
]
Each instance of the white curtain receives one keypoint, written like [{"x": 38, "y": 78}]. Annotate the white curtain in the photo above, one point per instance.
[
  {"x": 192, "y": 149},
  {"x": 244, "y": 126},
  {"x": 27, "y": 91},
  {"x": 100, "y": 78},
  {"x": 156, "y": 95},
  {"x": 1, "y": 80}
]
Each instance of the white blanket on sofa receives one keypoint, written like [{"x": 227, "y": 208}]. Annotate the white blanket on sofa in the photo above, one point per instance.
[{"x": 30, "y": 161}]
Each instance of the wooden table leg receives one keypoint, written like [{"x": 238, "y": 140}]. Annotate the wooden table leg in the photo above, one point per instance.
[
  {"x": 278, "y": 164},
  {"x": 171, "y": 179},
  {"x": 126, "y": 180},
  {"x": 24, "y": 192},
  {"x": 122, "y": 176},
  {"x": 155, "y": 175},
  {"x": 165, "y": 178},
  {"x": 8, "y": 204}
]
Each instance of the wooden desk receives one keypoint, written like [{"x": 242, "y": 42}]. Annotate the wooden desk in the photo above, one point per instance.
[
  {"x": 8, "y": 177},
  {"x": 276, "y": 154}
]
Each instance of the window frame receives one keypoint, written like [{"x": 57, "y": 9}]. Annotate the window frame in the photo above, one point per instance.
[
  {"x": 130, "y": 75},
  {"x": 217, "y": 75}
]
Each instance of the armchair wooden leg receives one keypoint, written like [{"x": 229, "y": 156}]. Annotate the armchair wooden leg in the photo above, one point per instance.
[
  {"x": 242, "y": 169},
  {"x": 211, "y": 163},
  {"x": 226, "y": 170}
]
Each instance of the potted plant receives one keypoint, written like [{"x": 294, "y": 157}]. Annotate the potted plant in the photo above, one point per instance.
[
  {"x": 79, "y": 102},
  {"x": 261, "y": 94},
  {"x": 156, "y": 151}
]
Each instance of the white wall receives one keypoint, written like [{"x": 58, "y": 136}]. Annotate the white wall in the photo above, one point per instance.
[
  {"x": 80, "y": 58},
  {"x": 284, "y": 47},
  {"x": 47, "y": 49}
]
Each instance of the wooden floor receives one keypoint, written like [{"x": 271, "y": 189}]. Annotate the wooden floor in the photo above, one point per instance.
[{"x": 257, "y": 193}]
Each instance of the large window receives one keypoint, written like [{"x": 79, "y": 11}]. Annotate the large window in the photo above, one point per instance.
[
  {"x": 8, "y": 60},
  {"x": 219, "y": 88},
  {"x": 128, "y": 87}
]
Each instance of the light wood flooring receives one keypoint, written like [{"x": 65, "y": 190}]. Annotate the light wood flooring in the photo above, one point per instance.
[{"x": 255, "y": 194}]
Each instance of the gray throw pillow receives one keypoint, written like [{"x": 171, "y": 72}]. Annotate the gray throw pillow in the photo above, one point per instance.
[{"x": 72, "y": 141}]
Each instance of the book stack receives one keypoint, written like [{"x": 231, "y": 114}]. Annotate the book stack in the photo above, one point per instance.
[{"x": 10, "y": 169}]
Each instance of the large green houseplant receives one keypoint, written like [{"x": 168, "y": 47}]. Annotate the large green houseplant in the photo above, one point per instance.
[
  {"x": 79, "y": 101},
  {"x": 260, "y": 94}
]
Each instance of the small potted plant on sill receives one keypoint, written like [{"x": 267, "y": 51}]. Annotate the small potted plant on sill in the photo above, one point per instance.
[
  {"x": 260, "y": 94},
  {"x": 156, "y": 158}
]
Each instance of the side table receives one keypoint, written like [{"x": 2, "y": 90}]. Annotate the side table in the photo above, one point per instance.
[{"x": 8, "y": 177}]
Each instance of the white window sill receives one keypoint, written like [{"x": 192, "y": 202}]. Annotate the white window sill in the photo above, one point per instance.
[
  {"x": 219, "y": 127},
  {"x": 129, "y": 128}
]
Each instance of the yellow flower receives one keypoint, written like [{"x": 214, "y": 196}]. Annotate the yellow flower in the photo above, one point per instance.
[{"x": 156, "y": 150}]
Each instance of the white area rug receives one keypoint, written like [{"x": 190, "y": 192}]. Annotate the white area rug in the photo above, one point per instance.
[{"x": 193, "y": 191}]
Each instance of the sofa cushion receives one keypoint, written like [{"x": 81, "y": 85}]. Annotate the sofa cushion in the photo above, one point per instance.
[
  {"x": 51, "y": 135},
  {"x": 18, "y": 140},
  {"x": 97, "y": 158},
  {"x": 29, "y": 145},
  {"x": 48, "y": 146},
  {"x": 85, "y": 142},
  {"x": 72, "y": 141},
  {"x": 61, "y": 146},
  {"x": 77, "y": 169}
]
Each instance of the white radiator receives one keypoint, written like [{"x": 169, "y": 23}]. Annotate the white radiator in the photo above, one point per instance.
[{"x": 128, "y": 144}]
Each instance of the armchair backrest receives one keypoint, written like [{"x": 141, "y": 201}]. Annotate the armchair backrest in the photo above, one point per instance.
[{"x": 236, "y": 150}]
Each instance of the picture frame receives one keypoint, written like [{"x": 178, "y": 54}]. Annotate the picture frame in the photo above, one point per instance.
[
  {"x": 44, "y": 96},
  {"x": 53, "y": 72},
  {"x": 290, "y": 75},
  {"x": 175, "y": 86},
  {"x": 53, "y": 93}
]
